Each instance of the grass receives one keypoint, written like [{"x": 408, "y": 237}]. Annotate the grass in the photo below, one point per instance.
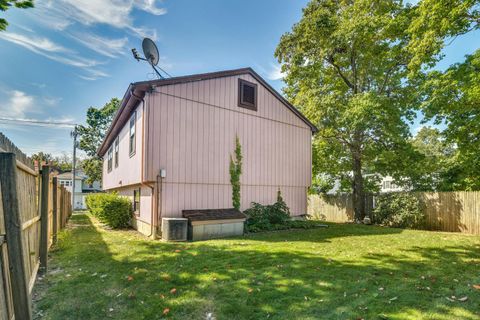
[{"x": 343, "y": 272}]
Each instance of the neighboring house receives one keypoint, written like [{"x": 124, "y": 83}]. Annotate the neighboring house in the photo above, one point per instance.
[
  {"x": 82, "y": 189},
  {"x": 386, "y": 184},
  {"x": 170, "y": 143}
]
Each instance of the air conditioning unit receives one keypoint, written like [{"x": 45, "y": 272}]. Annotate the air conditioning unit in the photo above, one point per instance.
[{"x": 174, "y": 229}]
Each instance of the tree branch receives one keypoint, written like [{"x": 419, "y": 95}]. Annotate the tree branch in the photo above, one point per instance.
[{"x": 330, "y": 60}]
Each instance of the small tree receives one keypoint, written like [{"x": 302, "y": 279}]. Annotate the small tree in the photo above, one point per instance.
[
  {"x": 235, "y": 173},
  {"x": 92, "y": 135}
]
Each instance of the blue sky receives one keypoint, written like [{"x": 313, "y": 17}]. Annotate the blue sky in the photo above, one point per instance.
[{"x": 66, "y": 55}]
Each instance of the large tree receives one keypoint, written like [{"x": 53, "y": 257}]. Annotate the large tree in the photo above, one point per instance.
[
  {"x": 453, "y": 99},
  {"x": 7, "y": 4},
  {"x": 437, "y": 23},
  {"x": 346, "y": 67},
  {"x": 437, "y": 163},
  {"x": 92, "y": 135}
]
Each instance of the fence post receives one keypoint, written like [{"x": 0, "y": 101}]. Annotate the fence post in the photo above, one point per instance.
[
  {"x": 8, "y": 186},
  {"x": 44, "y": 219},
  {"x": 55, "y": 208}
]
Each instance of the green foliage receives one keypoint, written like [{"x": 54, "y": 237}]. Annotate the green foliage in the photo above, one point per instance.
[
  {"x": 273, "y": 217},
  {"x": 92, "y": 135},
  {"x": 436, "y": 21},
  {"x": 7, "y": 4},
  {"x": 235, "y": 173},
  {"x": 453, "y": 98},
  {"x": 399, "y": 209},
  {"x": 345, "y": 65},
  {"x": 63, "y": 162},
  {"x": 111, "y": 209}
]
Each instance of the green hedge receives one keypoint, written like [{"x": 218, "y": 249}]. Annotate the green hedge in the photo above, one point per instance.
[
  {"x": 111, "y": 209},
  {"x": 399, "y": 209}
]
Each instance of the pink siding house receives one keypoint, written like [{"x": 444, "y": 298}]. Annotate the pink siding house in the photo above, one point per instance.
[{"x": 169, "y": 146}]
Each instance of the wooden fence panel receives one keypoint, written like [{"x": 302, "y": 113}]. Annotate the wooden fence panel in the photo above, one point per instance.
[
  {"x": 444, "y": 211},
  {"x": 19, "y": 260}
]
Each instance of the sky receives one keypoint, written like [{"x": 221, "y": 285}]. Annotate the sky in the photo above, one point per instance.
[{"x": 64, "y": 56}]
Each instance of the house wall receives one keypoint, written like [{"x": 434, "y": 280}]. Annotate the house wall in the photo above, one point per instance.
[
  {"x": 142, "y": 220},
  {"x": 128, "y": 171},
  {"x": 191, "y": 133}
]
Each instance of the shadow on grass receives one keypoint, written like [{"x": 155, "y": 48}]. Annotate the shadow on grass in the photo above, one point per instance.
[{"x": 98, "y": 274}]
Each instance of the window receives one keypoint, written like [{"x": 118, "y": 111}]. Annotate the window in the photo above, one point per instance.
[
  {"x": 136, "y": 200},
  {"x": 247, "y": 95},
  {"x": 116, "y": 152},
  {"x": 132, "y": 134},
  {"x": 109, "y": 159}
]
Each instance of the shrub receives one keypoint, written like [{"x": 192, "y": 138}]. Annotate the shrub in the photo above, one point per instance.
[
  {"x": 273, "y": 217},
  {"x": 401, "y": 210},
  {"x": 111, "y": 209}
]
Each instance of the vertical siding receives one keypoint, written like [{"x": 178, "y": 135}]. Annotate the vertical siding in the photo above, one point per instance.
[
  {"x": 195, "y": 127},
  {"x": 129, "y": 168}
]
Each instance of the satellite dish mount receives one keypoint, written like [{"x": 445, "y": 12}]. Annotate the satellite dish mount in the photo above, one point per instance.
[{"x": 151, "y": 55}]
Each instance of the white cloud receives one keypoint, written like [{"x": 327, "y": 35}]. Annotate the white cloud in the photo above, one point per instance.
[
  {"x": 275, "y": 73},
  {"x": 49, "y": 49},
  {"x": 150, "y": 6},
  {"x": 32, "y": 43},
  {"x": 18, "y": 105},
  {"x": 116, "y": 13},
  {"x": 105, "y": 46}
]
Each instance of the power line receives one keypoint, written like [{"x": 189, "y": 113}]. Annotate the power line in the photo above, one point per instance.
[{"x": 39, "y": 122}]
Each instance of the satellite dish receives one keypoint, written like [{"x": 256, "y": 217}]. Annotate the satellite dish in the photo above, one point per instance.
[{"x": 150, "y": 51}]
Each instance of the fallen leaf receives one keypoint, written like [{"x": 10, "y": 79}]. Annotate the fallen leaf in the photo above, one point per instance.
[
  {"x": 250, "y": 290},
  {"x": 476, "y": 286},
  {"x": 178, "y": 251},
  {"x": 129, "y": 278},
  {"x": 173, "y": 291},
  {"x": 463, "y": 299},
  {"x": 166, "y": 311}
]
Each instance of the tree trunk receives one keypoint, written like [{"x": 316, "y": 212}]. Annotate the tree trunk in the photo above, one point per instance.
[{"x": 358, "y": 192}]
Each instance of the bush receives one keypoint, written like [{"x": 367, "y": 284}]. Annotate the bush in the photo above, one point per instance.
[
  {"x": 111, "y": 209},
  {"x": 401, "y": 210},
  {"x": 273, "y": 217},
  {"x": 269, "y": 217}
]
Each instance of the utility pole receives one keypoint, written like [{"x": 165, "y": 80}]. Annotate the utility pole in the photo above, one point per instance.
[{"x": 74, "y": 134}]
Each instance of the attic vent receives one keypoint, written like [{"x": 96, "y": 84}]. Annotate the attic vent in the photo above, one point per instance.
[{"x": 247, "y": 95}]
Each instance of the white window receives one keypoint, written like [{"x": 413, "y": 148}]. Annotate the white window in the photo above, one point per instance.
[
  {"x": 116, "y": 152},
  {"x": 132, "y": 134},
  {"x": 109, "y": 159}
]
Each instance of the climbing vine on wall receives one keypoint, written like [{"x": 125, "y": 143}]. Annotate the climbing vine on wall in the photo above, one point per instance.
[{"x": 236, "y": 172}]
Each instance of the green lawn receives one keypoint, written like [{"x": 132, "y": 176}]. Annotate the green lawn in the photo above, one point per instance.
[{"x": 343, "y": 272}]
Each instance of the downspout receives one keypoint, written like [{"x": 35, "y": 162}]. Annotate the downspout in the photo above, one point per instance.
[{"x": 153, "y": 225}]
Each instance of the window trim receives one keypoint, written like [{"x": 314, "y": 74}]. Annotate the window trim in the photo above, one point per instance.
[
  {"x": 116, "y": 148},
  {"x": 243, "y": 104},
  {"x": 136, "y": 209},
  {"x": 110, "y": 159},
  {"x": 132, "y": 145}
]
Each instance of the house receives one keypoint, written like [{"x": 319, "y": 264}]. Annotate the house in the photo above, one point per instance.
[
  {"x": 170, "y": 143},
  {"x": 82, "y": 189}
]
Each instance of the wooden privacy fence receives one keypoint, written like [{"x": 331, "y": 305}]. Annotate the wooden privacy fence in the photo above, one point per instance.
[
  {"x": 32, "y": 210},
  {"x": 444, "y": 211}
]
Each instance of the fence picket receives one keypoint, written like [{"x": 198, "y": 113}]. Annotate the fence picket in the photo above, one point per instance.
[{"x": 456, "y": 211}]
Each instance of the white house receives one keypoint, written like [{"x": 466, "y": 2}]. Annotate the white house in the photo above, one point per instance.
[{"x": 82, "y": 189}]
